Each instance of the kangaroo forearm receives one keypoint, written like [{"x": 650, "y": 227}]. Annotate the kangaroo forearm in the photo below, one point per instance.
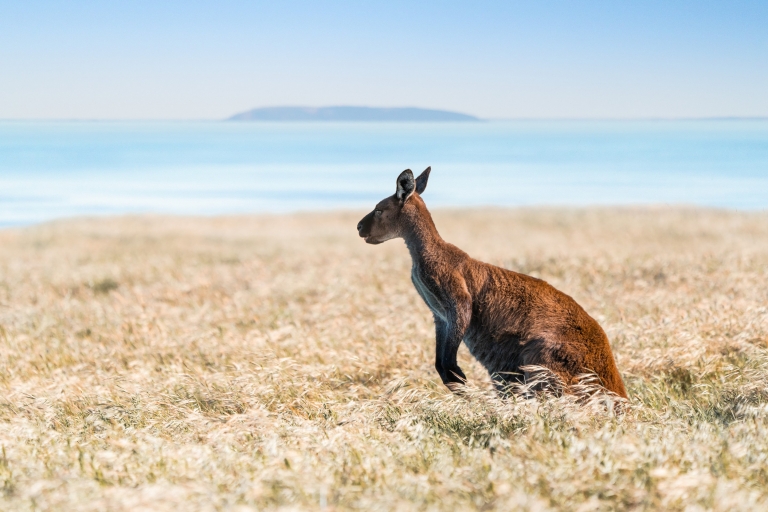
[{"x": 446, "y": 352}]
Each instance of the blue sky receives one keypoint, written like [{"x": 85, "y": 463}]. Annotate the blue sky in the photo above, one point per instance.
[{"x": 544, "y": 59}]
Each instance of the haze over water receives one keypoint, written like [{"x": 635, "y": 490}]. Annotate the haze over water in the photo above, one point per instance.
[{"x": 50, "y": 170}]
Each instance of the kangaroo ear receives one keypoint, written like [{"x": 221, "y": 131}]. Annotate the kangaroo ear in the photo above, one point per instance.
[
  {"x": 421, "y": 181},
  {"x": 405, "y": 185}
]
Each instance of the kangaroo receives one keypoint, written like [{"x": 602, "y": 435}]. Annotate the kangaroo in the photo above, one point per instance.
[{"x": 510, "y": 322}]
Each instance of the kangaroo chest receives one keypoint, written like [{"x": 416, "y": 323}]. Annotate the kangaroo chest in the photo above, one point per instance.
[{"x": 428, "y": 294}]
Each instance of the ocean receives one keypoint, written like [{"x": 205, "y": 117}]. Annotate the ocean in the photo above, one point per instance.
[{"x": 50, "y": 170}]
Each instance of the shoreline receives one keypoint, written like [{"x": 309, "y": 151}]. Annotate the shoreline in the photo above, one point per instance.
[{"x": 644, "y": 207}]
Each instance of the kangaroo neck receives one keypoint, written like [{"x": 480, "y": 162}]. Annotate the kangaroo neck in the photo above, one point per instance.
[{"x": 422, "y": 239}]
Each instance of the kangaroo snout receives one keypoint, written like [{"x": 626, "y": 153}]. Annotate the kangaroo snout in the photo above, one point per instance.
[{"x": 364, "y": 226}]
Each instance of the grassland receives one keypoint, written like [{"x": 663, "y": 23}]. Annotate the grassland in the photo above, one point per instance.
[{"x": 278, "y": 362}]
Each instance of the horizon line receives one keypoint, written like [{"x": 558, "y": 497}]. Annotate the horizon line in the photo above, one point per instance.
[{"x": 491, "y": 119}]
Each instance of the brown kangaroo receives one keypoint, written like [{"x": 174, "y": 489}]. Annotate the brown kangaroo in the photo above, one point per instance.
[{"x": 510, "y": 322}]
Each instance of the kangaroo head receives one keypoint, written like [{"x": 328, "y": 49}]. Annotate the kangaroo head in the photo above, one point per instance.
[{"x": 385, "y": 222}]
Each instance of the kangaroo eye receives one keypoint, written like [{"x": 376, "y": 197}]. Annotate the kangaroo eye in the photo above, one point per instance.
[{"x": 377, "y": 213}]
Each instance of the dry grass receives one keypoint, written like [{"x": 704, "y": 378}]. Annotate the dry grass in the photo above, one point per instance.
[{"x": 281, "y": 363}]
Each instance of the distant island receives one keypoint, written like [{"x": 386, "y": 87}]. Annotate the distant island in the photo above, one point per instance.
[{"x": 350, "y": 114}]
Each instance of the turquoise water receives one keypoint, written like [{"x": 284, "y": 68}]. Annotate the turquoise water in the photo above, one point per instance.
[{"x": 59, "y": 169}]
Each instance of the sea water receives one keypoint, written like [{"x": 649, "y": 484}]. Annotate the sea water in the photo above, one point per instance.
[{"x": 50, "y": 170}]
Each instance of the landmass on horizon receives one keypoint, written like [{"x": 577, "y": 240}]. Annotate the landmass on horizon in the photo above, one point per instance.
[{"x": 345, "y": 113}]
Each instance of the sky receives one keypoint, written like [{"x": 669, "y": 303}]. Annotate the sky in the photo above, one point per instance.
[{"x": 544, "y": 59}]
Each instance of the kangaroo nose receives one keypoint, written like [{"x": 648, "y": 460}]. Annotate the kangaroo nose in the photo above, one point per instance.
[{"x": 359, "y": 226}]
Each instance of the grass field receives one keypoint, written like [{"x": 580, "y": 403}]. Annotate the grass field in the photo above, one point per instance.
[{"x": 278, "y": 362}]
